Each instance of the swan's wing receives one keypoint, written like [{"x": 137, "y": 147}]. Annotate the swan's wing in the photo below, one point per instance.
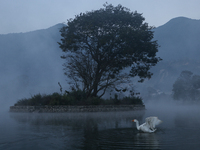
[
  {"x": 149, "y": 122},
  {"x": 152, "y": 122}
]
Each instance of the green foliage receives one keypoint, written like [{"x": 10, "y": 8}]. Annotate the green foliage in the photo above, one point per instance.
[
  {"x": 187, "y": 87},
  {"x": 23, "y": 102},
  {"x": 99, "y": 44},
  {"x": 94, "y": 101},
  {"x": 76, "y": 98},
  {"x": 131, "y": 100},
  {"x": 39, "y": 100}
]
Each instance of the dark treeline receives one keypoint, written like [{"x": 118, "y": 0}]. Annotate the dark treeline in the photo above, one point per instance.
[{"x": 76, "y": 98}]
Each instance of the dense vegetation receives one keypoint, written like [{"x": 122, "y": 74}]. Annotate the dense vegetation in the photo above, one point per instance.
[
  {"x": 187, "y": 87},
  {"x": 75, "y": 98}
]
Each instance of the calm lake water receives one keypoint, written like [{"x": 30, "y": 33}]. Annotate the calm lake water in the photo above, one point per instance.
[{"x": 106, "y": 130}]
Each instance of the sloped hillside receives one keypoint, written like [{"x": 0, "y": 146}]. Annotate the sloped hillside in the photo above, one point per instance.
[
  {"x": 30, "y": 63},
  {"x": 179, "y": 49},
  {"x": 179, "y": 39}
]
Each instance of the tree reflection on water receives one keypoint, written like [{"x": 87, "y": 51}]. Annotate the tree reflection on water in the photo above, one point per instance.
[{"x": 87, "y": 130}]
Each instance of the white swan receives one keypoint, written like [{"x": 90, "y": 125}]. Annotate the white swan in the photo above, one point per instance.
[{"x": 149, "y": 125}]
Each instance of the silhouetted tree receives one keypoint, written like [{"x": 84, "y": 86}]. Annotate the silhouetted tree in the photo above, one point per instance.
[
  {"x": 187, "y": 87},
  {"x": 100, "y": 44}
]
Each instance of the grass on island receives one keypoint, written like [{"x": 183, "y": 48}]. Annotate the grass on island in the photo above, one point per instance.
[{"x": 76, "y": 98}]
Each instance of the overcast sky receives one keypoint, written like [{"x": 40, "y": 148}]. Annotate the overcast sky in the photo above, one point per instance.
[{"x": 29, "y": 15}]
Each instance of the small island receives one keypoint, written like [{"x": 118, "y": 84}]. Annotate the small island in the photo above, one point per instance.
[
  {"x": 75, "y": 101},
  {"x": 103, "y": 50}
]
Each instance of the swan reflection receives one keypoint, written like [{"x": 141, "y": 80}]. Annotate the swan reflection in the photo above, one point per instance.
[{"x": 146, "y": 141}]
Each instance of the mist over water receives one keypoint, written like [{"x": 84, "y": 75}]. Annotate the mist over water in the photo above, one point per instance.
[
  {"x": 172, "y": 112},
  {"x": 104, "y": 130}
]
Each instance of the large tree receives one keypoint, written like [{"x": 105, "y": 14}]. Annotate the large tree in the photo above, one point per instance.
[{"x": 100, "y": 44}]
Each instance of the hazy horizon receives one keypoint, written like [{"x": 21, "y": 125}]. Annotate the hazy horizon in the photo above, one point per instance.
[{"x": 24, "y": 16}]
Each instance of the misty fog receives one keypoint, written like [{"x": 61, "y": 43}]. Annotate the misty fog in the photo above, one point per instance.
[
  {"x": 179, "y": 129},
  {"x": 31, "y": 63}
]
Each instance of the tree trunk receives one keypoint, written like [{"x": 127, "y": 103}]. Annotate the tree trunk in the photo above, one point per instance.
[{"x": 94, "y": 94}]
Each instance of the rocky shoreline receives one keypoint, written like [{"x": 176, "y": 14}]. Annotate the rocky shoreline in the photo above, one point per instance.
[{"x": 62, "y": 109}]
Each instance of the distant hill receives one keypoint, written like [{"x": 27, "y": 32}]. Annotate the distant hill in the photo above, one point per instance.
[
  {"x": 31, "y": 63},
  {"x": 179, "y": 49},
  {"x": 179, "y": 39}
]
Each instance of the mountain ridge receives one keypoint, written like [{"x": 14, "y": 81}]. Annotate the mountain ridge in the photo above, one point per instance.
[{"x": 184, "y": 32}]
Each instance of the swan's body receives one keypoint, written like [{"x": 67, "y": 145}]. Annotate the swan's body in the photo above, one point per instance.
[{"x": 149, "y": 125}]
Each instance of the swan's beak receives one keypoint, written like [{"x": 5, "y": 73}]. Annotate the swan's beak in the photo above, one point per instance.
[{"x": 133, "y": 120}]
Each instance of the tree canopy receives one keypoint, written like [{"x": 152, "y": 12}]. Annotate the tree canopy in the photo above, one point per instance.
[
  {"x": 187, "y": 87},
  {"x": 100, "y": 44}
]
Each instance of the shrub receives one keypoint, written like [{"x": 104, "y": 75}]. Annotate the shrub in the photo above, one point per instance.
[
  {"x": 94, "y": 101},
  {"x": 76, "y": 97},
  {"x": 22, "y": 102},
  {"x": 132, "y": 100}
]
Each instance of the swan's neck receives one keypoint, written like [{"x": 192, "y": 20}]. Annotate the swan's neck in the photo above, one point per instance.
[{"x": 137, "y": 124}]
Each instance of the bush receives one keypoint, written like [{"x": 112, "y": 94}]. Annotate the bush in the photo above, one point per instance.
[
  {"x": 76, "y": 97},
  {"x": 124, "y": 101},
  {"x": 132, "y": 101},
  {"x": 94, "y": 101},
  {"x": 22, "y": 102}
]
